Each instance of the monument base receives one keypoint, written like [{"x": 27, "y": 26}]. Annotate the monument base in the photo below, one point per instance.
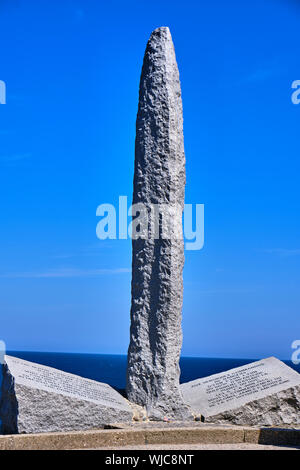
[{"x": 40, "y": 399}]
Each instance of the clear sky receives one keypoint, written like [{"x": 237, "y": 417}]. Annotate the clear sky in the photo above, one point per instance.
[{"x": 72, "y": 70}]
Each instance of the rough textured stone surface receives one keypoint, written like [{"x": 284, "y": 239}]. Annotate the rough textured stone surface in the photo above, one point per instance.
[
  {"x": 157, "y": 287},
  {"x": 8, "y": 403},
  {"x": 279, "y": 409},
  {"x": 263, "y": 393},
  {"x": 37, "y": 398}
]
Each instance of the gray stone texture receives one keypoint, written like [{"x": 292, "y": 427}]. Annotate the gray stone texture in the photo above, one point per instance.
[
  {"x": 36, "y": 398},
  {"x": 157, "y": 264},
  {"x": 263, "y": 393}
]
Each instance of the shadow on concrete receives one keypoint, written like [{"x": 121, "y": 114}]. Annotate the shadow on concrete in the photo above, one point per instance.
[{"x": 279, "y": 437}]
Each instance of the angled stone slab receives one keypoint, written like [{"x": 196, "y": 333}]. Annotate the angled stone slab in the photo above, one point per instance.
[
  {"x": 36, "y": 398},
  {"x": 265, "y": 392}
]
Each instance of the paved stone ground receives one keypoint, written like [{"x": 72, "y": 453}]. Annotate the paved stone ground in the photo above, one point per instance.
[{"x": 242, "y": 446}]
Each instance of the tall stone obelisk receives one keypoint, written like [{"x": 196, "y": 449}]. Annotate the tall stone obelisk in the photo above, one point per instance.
[{"x": 157, "y": 286}]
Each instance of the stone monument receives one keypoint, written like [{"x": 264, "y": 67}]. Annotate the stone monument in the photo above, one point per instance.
[
  {"x": 36, "y": 398},
  {"x": 263, "y": 393},
  {"x": 157, "y": 263}
]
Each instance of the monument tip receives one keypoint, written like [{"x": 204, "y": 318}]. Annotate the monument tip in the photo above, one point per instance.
[{"x": 162, "y": 30}]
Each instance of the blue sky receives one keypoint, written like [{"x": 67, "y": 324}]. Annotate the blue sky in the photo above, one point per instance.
[{"x": 67, "y": 132}]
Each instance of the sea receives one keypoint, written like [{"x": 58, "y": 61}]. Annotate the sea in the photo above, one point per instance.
[{"x": 111, "y": 368}]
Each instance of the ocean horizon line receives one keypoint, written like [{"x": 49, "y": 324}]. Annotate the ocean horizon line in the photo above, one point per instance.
[{"x": 31, "y": 351}]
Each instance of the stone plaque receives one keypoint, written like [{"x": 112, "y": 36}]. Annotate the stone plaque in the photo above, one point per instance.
[
  {"x": 37, "y": 398},
  {"x": 258, "y": 386},
  {"x": 53, "y": 380}
]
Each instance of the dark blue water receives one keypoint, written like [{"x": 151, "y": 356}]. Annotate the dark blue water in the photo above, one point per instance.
[{"x": 111, "y": 369}]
